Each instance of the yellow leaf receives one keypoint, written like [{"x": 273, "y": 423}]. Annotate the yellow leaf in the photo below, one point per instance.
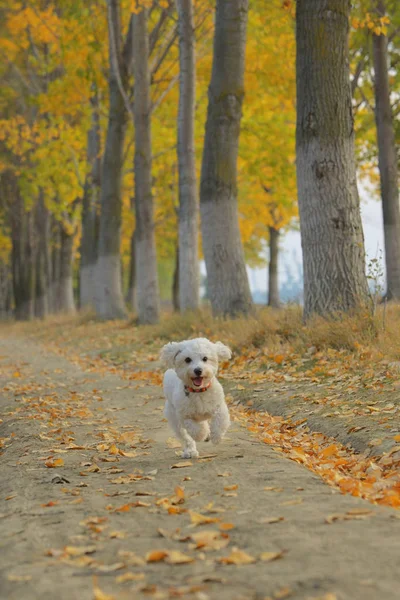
[
  {"x": 199, "y": 519},
  {"x": 175, "y": 557},
  {"x": 79, "y": 550},
  {"x": 98, "y": 594},
  {"x": 129, "y": 577},
  {"x": 237, "y": 557},
  {"x": 181, "y": 465},
  {"x": 268, "y": 556}
]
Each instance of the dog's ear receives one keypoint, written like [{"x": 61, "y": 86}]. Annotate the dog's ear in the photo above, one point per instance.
[
  {"x": 169, "y": 353},
  {"x": 223, "y": 352}
]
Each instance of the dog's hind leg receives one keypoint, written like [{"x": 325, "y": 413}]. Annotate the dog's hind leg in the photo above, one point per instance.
[
  {"x": 219, "y": 424},
  {"x": 199, "y": 431}
]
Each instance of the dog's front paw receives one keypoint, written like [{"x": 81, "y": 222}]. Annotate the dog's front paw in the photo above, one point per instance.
[{"x": 187, "y": 453}]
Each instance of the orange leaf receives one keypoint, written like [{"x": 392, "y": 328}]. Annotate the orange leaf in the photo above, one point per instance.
[{"x": 156, "y": 555}]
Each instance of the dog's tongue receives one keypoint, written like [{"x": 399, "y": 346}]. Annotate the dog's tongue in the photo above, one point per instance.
[{"x": 197, "y": 381}]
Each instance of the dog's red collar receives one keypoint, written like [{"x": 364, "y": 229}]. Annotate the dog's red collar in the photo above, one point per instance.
[{"x": 197, "y": 390}]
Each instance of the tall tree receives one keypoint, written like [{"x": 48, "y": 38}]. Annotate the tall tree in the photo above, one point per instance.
[
  {"x": 145, "y": 247},
  {"x": 330, "y": 220},
  {"x": 188, "y": 206},
  {"x": 228, "y": 284},
  {"x": 273, "y": 279},
  {"x": 109, "y": 298},
  {"x": 387, "y": 159},
  {"x": 90, "y": 211}
]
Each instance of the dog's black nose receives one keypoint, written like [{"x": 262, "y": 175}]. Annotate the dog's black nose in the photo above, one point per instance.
[{"x": 198, "y": 372}]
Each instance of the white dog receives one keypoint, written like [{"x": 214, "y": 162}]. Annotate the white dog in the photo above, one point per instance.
[{"x": 195, "y": 403}]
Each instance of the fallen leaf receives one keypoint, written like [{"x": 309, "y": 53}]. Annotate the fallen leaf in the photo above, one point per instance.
[
  {"x": 237, "y": 557},
  {"x": 93, "y": 469},
  {"x": 229, "y": 488},
  {"x": 18, "y": 578},
  {"x": 350, "y": 514},
  {"x": 224, "y": 474},
  {"x": 199, "y": 519},
  {"x": 156, "y": 555},
  {"x": 79, "y": 550},
  {"x": 50, "y": 503},
  {"x": 182, "y": 465},
  {"x": 226, "y": 526},
  {"x": 110, "y": 568},
  {"x": 129, "y": 577},
  {"x": 175, "y": 557},
  {"x": 292, "y": 502},
  {"x": 284, "y": 592},
  {"x": 270, "y": 520},
  {"x": 53, "y": 463},
  {"x": 269, "y": 556},
  {"x": 173, "y": 443},
  {"x": 269, "y": 488},
  {"x": 375, "y": 442},
  {"x": 98, "y": 594},
  {"x": 119, "y": 535},
  {"x": 11, "y": 496}
]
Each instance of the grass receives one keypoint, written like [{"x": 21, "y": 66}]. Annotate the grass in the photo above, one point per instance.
[{"x": 278, "y": 331}]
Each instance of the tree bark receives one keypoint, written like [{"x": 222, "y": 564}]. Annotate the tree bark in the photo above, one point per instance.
[
  {"x": 176, "y": 282},
  {"x": 329, "y": 207},
  {"x": 146, "y": 261},
  {"x": 188, "y": 205},
  {"x": 90, "y": 213},
  {"x": 222, "y": 247},
  {"x": 273, "y": 280},
  {"x": 109, "y": 299},
  {"x": 66, "y": 302},
  {"x": 387, "y": 158},
  {"x": 42, "y": 241},
  {"x": 23, "y": 260},
  {"x": 131, "y": 293},
  {"x": 55, "y": 260}
]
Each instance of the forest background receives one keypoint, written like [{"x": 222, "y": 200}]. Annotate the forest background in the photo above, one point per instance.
[{"x": 55, "y": 106}]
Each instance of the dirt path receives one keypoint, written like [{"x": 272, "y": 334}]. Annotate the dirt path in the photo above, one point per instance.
[{"x": 86, "y": 483}]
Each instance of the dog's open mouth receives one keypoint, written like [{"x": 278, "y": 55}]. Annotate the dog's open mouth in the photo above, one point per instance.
[{"x": 197, "y": 381}]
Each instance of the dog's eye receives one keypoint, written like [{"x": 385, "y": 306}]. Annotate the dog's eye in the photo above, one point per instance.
[
  {"x": 188, "y": 360},
  {"x": 205, "y": 359}
]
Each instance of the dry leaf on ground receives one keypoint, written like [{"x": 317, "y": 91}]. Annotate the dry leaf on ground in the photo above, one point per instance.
[
  {"x": 182, "y": 465},
  {"x": 269, "y": 556},
  {"x": 237, "y": 557}
]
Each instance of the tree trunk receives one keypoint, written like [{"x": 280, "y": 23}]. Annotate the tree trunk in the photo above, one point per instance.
[
  {"x": 387, "y": 161},
  {"x": 146, "y": 261},
  {"x": 131, "y": 294},
  {"x": 273, "y": 281},
  {"x": 188, "y": 206},
  {"x": 55, "y": 259},
  {"x": 176, "y": 282},
  {"x": 90, "y": 213},
  {"x": 42, "y": 282},
  {"x": 23, "y": 261},
  {"x": 109, "y": 298},
  {"x": 330, "y": 221},
  {"x": 66, "y": 301},
  {"x": 222, "y": 247}
]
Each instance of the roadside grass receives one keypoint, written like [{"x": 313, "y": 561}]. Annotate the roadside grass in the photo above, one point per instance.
[{"x": 276, "y": 331}]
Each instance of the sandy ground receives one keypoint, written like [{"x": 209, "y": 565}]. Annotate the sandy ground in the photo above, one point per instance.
[{"x": 87, "y": 482}]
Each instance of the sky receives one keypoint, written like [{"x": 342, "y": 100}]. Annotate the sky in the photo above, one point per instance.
[{"x": 290, "y": 245}]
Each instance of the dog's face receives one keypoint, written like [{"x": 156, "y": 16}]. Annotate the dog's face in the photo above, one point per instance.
[{"x": 195, "y": 361}]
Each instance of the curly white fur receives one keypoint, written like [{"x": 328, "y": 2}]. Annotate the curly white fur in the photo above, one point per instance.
[{"x": 195, "y": 416}]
